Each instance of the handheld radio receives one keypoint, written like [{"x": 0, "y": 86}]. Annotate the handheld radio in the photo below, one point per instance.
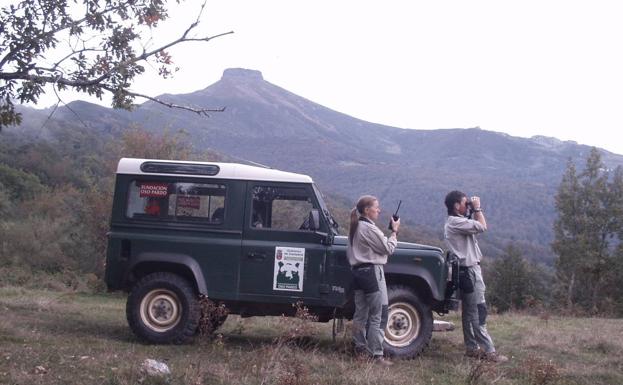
[{"x": 395, "y": 217}]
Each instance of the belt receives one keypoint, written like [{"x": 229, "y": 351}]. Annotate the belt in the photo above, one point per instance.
[{"x": 362, "y": 265}]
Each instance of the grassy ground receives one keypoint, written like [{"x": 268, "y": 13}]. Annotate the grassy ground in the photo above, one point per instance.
[{"x": 66, "y": 338}]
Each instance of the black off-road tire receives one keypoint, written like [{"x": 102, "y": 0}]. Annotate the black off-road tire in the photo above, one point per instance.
[
  {"x": 163, "y": 308},
  {"x": 410, "y": 324}
]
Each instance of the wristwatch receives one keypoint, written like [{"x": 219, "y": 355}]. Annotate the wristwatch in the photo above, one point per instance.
[{"x": 478, "y": 210}]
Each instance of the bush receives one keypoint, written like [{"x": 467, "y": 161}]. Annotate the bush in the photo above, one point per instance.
[
  {"x": 17, "y": 184},
  {"x": 43, "y": 232},
  {"x": 513, "y": 283}
]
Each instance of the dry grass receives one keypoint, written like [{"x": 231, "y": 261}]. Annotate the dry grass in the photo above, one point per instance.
[{"x": 65, "y": 338}]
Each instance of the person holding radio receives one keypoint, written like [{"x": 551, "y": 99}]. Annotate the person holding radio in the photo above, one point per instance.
[
  {"x": 465, "y": 220},
  {"x": 367, "y": 251}
]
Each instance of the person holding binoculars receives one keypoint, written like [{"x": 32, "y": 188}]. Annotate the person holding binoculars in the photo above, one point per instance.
[{"x": 465, "y": 220}]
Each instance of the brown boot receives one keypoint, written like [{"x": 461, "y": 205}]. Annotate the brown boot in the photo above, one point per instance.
[
  {"x": 474, "y": 353},
  {"x": 380, "y": 360}
]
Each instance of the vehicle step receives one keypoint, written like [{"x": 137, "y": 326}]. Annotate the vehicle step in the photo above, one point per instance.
[{"x": 442, "y": 326}]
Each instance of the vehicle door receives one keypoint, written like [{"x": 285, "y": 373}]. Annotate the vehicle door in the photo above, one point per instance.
[
  {"x": 282, "y": 255},
  {"x": 338, "y": 276}
]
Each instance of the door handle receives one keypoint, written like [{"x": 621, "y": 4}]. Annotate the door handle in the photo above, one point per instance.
[{"x": 257, "y": 256}]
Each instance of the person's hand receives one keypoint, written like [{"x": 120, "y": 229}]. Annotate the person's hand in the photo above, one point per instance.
[
  {"x": 475, "y": 202},
  {"x": 395, "y": 224}
]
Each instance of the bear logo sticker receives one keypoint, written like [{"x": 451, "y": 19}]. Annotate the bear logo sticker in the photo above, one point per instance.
[{"x": 289, "y": 268}]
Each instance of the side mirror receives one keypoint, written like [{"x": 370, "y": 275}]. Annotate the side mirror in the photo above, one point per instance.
[{"x": 314, "y": 220}]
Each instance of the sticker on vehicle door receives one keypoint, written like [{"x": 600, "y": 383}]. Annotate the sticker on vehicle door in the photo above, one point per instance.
[{"x": 289, "y": 268}]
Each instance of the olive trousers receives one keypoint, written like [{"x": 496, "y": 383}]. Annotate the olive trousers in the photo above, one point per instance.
[
  {"x": 474, "y": 317},
  {"x": 370, "y": 317}
]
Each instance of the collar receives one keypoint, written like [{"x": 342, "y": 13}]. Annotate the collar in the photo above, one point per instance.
[{"x": 364, "y": 219}]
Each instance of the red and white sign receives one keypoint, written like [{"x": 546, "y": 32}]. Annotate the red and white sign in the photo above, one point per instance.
[
  {"x": 189, "y": 202},
  {"x": 154, "y": 190}
]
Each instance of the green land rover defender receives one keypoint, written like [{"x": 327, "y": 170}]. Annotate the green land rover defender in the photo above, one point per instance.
[{"x": 257, "y": 240}]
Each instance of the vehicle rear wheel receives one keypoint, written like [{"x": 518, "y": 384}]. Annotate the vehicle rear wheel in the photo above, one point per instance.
[
  {"x": 409, "y": 325},
  {"x": 163, "y": 308}
]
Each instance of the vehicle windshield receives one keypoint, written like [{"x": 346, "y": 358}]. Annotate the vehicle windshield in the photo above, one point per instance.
[{"x": 323, "y": 206}]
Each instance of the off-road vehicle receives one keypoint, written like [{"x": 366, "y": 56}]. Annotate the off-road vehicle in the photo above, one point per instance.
[{"x": 256, "y": 240}]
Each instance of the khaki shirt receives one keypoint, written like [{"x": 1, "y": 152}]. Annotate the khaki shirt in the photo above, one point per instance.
[
  {"x": 370, "y": 245},
  {"x": 460, "y": 236}
]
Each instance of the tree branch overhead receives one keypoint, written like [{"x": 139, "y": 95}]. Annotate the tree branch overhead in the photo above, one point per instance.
[{"x": 100, "y": 55}]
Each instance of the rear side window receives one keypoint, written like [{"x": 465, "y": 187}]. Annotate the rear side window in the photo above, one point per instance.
[
  {"x": 281, "y": 208},
  {"x": 178, "y": 202}
]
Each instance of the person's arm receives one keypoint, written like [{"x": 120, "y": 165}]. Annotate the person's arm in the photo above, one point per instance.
[
  {"x": 466, "y": 226},
  {"x": 479, "y": 215},
  {"x": 378, "y": 242}
]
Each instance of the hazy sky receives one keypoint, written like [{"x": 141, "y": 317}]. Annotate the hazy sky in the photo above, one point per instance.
[{"x": 526, "y": 68}]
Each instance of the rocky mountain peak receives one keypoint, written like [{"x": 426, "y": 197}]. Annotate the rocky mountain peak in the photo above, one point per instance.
[{"x": 242, "y": 73}]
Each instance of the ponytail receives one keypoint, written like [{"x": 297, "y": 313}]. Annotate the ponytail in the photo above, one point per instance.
[
  {"x": 354, "y": 223},
  {"x": 356, "y": 212}
]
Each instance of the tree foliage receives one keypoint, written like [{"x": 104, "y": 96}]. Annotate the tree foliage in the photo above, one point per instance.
[
  {"x": 587, "y": 235},
  {"x": 513, "y": 283},
  {"x": 90, "y": 46},
  {"x": 55, "y": 219}
]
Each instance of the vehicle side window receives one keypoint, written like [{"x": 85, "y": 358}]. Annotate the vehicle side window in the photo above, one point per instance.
[
  {"x": 281, "y": 208},
  {"x": 179, "y": 202}
]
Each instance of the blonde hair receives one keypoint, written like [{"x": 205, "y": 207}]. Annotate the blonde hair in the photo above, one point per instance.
[{"x": 356, "y": 212}]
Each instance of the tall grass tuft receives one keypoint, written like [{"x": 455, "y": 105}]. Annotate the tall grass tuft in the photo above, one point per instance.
[{"x": 286, "y": 356}]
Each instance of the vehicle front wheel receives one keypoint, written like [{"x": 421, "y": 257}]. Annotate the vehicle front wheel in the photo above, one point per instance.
[
  {"x": 409, "y": 325},
  {"x": 163, "y": 308}
]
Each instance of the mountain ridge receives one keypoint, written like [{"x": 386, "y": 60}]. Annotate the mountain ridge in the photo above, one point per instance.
[{"x": 264, "y": 123}]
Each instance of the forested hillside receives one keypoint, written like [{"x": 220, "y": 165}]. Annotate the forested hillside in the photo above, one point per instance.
[
  {"x": 56, "y": 193},
  {"x": 57, "y": 172},
  {"x": 55, "y": 201},
  {"x": 517, "y": 178}
]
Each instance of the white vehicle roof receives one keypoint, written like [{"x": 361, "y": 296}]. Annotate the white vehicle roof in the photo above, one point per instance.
[{"x": 132, "y": 166}]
